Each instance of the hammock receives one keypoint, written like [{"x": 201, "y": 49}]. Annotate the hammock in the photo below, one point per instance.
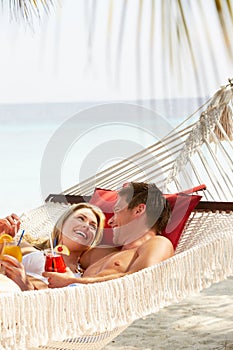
[{"x": 90, "y": 316}]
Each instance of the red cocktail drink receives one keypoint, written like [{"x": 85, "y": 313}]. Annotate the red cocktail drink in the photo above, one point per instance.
[{"x": 54, "y": 262}]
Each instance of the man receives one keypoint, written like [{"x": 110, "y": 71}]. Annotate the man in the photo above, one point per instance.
[{"x": 140, "y": 215}]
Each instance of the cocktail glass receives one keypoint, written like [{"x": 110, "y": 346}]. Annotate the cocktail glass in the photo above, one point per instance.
[
  {"x": 11, "y": 248},
  {"x": 54, "y": 262}
]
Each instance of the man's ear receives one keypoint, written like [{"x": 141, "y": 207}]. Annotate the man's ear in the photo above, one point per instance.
[{"x": 140, "y": 209}]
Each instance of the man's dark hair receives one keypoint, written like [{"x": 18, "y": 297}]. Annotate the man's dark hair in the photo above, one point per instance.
[{"x": 158, "y": 209}]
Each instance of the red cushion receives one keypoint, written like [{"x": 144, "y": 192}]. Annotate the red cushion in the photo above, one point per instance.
[{"x": 181, "y": 204}]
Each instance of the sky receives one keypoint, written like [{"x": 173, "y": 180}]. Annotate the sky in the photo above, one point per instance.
[{"x": 74, "y": 55}]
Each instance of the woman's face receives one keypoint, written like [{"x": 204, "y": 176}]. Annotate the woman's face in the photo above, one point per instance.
[{"x": 80, "y": 228}]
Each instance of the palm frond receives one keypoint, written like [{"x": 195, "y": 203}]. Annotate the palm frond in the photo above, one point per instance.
[
  {"x": 222, "y": 7},
  {"x": 121, "y": 30},
  {"x": 28, "y": 10},
  {"x": 182, "y": 43},
  {"x": 172, "y": 43}
]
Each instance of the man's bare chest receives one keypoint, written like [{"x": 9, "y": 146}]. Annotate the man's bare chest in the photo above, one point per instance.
[{"x": 112, "y": 263}]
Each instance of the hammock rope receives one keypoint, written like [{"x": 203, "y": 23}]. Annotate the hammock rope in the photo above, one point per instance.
[
  {"x": 158, "y": 160},
  {"x": 109, "y": 174}
]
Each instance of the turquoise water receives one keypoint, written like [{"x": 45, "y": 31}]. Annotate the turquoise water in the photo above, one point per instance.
[{"x": 26, "y": 131}]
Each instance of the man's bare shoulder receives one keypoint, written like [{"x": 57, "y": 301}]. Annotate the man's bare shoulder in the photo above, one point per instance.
[
  {"x": 162, "y": 240},
  {"x": 157, "y": 245},
  {"x": 158, "y": 239}
]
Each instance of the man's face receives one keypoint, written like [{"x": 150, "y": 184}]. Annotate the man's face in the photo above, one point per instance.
[{"x": 125, "y": 223}]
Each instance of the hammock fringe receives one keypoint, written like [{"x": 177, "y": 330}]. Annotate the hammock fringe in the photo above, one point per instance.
[{"x": 87, "y": 312}]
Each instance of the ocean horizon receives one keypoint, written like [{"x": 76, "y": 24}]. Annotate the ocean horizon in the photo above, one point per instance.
[{"x": 27, "y": 130}]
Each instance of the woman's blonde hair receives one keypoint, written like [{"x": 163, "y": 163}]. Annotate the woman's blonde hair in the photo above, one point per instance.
[{"x": 57, "y": 230}]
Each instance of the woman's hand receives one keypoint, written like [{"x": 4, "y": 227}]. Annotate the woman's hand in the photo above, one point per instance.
[
  {"x": 16, "y": 272},
  {"x": 58, "y": 280},
  {"x": 10, "y": 224}
]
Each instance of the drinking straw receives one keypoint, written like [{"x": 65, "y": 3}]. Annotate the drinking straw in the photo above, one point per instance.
[
  {"x": 20, "y": 238},
  {"x": 16, "y": 230},
  {"x": 51, "y": 243}
]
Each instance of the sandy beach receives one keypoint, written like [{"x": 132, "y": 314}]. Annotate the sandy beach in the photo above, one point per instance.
[{"x": 200, "y": 322}]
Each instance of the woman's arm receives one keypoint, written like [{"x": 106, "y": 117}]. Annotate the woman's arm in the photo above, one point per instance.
[
  {"x": 58, "y": 280},
  {"x": 16, "y": 272}
]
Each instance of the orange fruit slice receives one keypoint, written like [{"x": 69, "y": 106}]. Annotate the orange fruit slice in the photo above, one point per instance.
[
  {"x": 62, "y": 249},
  {"x": 5, "y": 237}
]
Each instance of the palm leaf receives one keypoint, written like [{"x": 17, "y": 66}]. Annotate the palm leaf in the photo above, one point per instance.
[
  {"x": 188, "y": 50},
  {"x": 28, "y": 10},
  {"x": 221, "y": 7}
]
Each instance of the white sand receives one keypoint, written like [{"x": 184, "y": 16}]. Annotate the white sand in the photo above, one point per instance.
[{"x": 200, "y": 322}]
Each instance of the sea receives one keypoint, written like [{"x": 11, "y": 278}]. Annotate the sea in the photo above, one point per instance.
[{"x": 50, "y": 147}]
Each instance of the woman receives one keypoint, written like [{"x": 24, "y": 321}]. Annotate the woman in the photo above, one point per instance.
[{"x": 79, "y": 228}]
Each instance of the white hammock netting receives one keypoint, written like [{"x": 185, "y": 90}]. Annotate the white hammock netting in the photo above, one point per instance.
[{"x": 90, "y": 316}]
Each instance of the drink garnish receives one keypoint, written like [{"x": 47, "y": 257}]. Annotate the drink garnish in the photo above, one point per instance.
[
  {"x": 5, "y": 238},
  {"x": 62, "y": 249}
]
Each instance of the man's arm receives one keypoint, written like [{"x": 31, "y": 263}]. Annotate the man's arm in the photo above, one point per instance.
[
  {"x": 150, "y": 253},
  {"x": 58, "y": 280}
]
